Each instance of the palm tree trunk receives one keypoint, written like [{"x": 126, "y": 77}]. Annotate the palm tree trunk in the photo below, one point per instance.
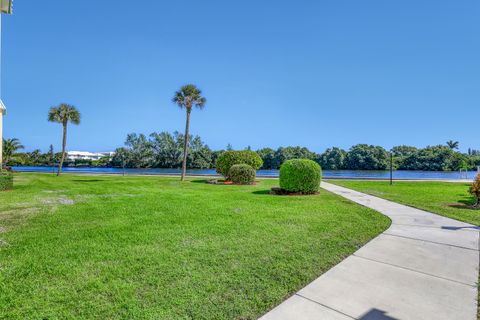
[
  {"x": 185, "y": 146},
  {"x": 64, "y": 144}
]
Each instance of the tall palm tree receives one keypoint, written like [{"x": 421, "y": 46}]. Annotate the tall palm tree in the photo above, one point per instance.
[
  {"x": 64, "y": 114},
  {"x": 187, "y": 97},
  {"x": 10, "y": 146},
  {"x": 452, "y": 144}
]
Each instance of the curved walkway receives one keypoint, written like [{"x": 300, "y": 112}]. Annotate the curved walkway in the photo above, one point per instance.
[{"x": 424, "y": 266}]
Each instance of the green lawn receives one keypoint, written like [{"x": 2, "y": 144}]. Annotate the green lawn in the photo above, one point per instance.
[
  {"x": 445, "y": 198},
  {"x": 98, "y": 247}
]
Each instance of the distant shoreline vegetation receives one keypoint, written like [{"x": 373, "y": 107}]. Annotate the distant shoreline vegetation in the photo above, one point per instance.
[{"x": 165, "y": 150}]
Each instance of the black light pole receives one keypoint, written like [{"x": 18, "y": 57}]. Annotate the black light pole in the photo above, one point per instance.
[
  {"x": 391, "y": 168},
  {"x": 123, "y": 164}
]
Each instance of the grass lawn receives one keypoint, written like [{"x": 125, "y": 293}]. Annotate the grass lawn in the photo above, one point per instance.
[
  {"x": 447, "y": 199},
  {"x": 104, "y": 247}
]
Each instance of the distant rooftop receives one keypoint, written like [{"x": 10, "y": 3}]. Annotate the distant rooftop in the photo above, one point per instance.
[{"x": 86, "y": 155}]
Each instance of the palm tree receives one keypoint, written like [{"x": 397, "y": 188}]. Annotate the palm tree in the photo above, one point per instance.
[
  {"x": 452, "y": 144},
  {"x": 187, "y": 97},
  {"x": 64, "y": 114},
  {"x": 10, "y": 146}
]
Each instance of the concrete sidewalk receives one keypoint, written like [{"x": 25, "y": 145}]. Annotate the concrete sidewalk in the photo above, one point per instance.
[{"x": 424, "y": 266}]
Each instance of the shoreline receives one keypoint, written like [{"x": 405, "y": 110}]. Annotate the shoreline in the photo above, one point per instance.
[{"x": 213, "y": 176}]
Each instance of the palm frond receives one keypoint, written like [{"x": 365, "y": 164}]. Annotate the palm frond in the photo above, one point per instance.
[
  {"x": 189, "y": 96},
  {"x": 64, "y": 113}
]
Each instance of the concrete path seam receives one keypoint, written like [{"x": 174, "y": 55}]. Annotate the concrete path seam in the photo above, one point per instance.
[
  {"x": 412, "y": 270},
  {"x": 412, "y": 225},
  {"x": 320, "y": 304},
  {"x": 424, "y": 266},
  {"x": 429, "y": 241}
]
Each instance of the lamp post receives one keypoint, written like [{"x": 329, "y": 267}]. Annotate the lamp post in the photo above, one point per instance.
[
  {"x": 5, "y": 8},
  {"x": 391, "y": 168}
]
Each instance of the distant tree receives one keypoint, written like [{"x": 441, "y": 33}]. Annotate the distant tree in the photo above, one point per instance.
[
  {"x": 104, "y": 161},
  {"x": 433, "y": 158},
  {"x": 229, "y": 147},
  {"x": 215, "y": 155},
  {"x": 82, "y": 163},
  {"x": 187, "y": 97},
  {"x": 58, "y": 156},
  {"x": 64, "y": 113},
  {"x": 475, "y": 160},
  {"x": 400, "y": 153},
  {"x": 453, "y": 144},
  {"x": 19, "y": 159},
  {"x": 333, "y": 159},
  {"x": 140, "y": 151},
  {"x": 51, "y": 155},
  {"x": 367, "y": 157},
  {"x": 199, "y": 154},
  {"x": 10, "y": 147},
  {"x": 121, "y": 158},
  {"x": 36, "y": 157},
  {"x": 403, "y": 151},
  {"x": 268, "y": 157},
  {"x": 462, "y": 164},
  {"x": 473, "y": 152},
  {"x": 475, "y": 190},
  {"x": 284, "y": 154},
  {"x": 167, "y": 149}
]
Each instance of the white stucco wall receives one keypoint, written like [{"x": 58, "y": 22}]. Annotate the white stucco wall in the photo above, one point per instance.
[{"x": 1, "y": 136}]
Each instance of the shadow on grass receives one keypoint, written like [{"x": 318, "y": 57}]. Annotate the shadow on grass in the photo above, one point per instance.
[
  {"x": 467, "y": 206},
  {"x": 199, "y": 181},
  {"x": 465, "y": 203},
  {"x": 87, "y": 181},
  {"x": 295, "y": 195},
  {"x": 262, "y": 192},
  {"x": 18, "y": 187}
]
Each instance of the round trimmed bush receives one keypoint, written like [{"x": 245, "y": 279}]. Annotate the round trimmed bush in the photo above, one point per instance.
[
  {"x": 6, "y": 181},
  {"x": 300, "y": 176},
  {"x": 242, "y": 174},
  {"x": 229, "y": 158}
]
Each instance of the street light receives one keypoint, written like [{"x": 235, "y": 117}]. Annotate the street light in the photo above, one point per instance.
[
  {"x": 5, "y": 7},
  {"x": 391, "y": 167}
]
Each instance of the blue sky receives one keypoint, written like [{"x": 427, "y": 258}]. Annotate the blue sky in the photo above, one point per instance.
[{"x": 275, "y": 73}]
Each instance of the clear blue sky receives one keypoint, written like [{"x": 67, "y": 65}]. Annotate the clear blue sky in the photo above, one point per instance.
[{"x": 275, "y": 73}]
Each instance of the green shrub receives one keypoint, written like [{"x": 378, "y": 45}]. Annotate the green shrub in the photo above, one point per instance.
[
  {"x": 229, "y": 158},
  {"x": 300, "y": 176},
  {"x": 475, "y": 190},
  {"x": 6, "y": 181},
  {"x": 242, "y": 174}
]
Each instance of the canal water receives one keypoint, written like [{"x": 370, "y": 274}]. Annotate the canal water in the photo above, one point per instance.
[{"x": 333, "y": 174}]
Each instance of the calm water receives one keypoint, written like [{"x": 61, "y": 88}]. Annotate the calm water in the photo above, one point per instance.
[{"x": 399, "y": 174}]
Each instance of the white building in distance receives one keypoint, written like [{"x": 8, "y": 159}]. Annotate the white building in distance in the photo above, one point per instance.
[{"x": 85, "y": 155}]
